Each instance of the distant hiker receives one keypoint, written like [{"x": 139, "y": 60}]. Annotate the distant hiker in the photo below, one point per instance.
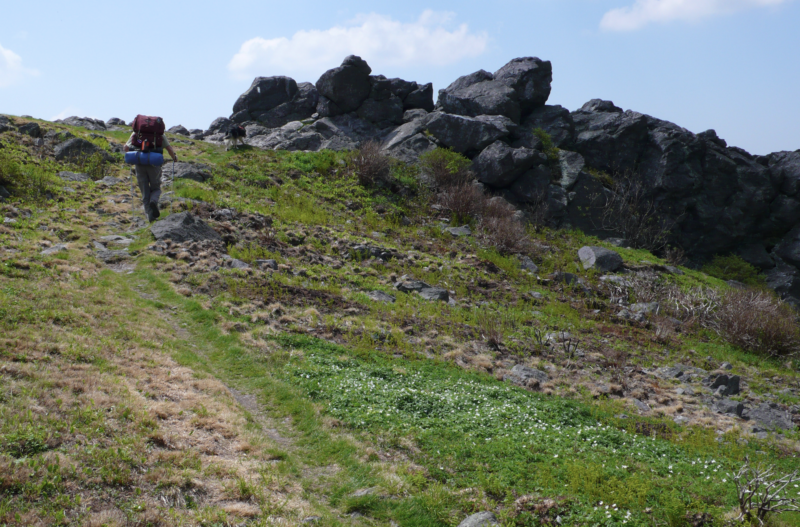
[{"x": 148, "y": 139}]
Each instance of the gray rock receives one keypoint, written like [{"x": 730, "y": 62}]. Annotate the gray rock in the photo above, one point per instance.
[
  {"x": 726, "y": 366},
  {"x": 178, "y": 129},
  {"x": 346, "y": 86},
  {"x": 771, "y": 416},
  {"x": 486, "y": 97},
  {"x": 109, "y": 181},
  {"x": 600, "y": 258},
  {"x": 434, "y": 293},
  {"x": 84, "y": 122},
  {"x": 116, "y": 239},
  {"x": 238, "y": 264},
  {"x": 408, "y": 141},
  {"x": 389, "y": 110},
  {"x": 77, "y": 148},
  {"x": 499, "y": 165},
  {"x": 265, "y": 93},
  {"x": 571, "y": 165},
  {"x": 406, "y": 285},
  {"x": 4, "y": 193},
  {"x": 183, "y": 227},
  {"x": 220, "y": 125},
  {"x": 61, "y": 247},
  {"x": 521, "y": 375},
  {"x": 556, "y": 121},
  {"x": 481, "y": 519},
  {"x": 466, "y": 135},
  {"x": 616, "y": 280},
  {"x": 115, "y": 121},
  {"x": 680, "y": 419},
  {"x": 464, "y": 230},
  {"x": 729, "y": 407},
  {"x": 530, "y": 78},
  {"x": 194, "y": 171},
  {"x": 641, "y": 406},
  {"x": 74, "y": 177},
  {"x": 301, "y": 107},
  {"x": 31, "y": 129},
  {"x": 526, "y": 264},
  {"x": 380, "y": 296},
  {"x": 421, "y": 98}
]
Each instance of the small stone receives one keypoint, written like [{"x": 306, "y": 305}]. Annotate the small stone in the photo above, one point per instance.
[
  {"x": 380, "y": 296},
  {"x": 464, "y": 230},
  {"x": 526, "y": 264},
  {"x": 61, "y": 247},
  {"x": 481, "y": 519},
  {"x": 238, "y": 264},
  {"x": 435, "y": 293},
  {"x": 729, "y": 407},
  {"x": 109, "y": 181},
  {"x": 726, "y": 366},
  {"x": 600, "y": 258},
  {"x": 641, "y": 406}
]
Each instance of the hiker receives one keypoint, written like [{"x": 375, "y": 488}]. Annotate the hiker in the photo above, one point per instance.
[{"x": 149, "y": 137}]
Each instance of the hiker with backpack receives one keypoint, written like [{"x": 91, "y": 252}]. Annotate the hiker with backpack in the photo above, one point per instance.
[{"x": 144, "y": 149}]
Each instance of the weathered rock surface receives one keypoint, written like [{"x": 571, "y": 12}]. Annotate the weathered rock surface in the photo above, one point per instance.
[
  {"x": 77, "y": 148},
  {"x": 770, "y": 416},
  {"x": 72, "y": 176},
  {"x": 183, "y": 227},
  {"x": 481, "y": 519},
  {"x": 499, "y": 165},
  {"x": 523, "y": 375},
  {"x": 85, "y": 122},
  {"x": 600, "y": 258},
  {"x": 194, "y": 171},
  {"x": 346, "y": 86},
  {"x": 178, "y": 129}
]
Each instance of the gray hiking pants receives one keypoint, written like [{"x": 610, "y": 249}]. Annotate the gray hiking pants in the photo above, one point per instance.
[{"x": 149, "y": 180}]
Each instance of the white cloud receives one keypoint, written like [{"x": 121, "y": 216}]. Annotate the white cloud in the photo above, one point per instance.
[
  {"x": 380, "y": 40},
  {"x": 11, "y": 69},
  {"x": 643, "y": 12}
]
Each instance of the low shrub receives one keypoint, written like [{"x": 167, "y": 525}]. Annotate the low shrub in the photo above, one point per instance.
[
  {"x": 465, "y": 201},
  {"x": 504, "y": 233},
  {"x": 757, "y": 321},
  {"x": 732, "y": 267},
  {"x": 549, "y": 149},
  {"x": 29, "y": 182},
  {"x": 446, "y": 168},
  {"x": 370, "y": 163}
]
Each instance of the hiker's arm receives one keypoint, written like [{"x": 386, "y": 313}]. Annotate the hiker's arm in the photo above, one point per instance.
[
  {"x": 129, "y": 145},
  {"x": 165, "y": 144}
]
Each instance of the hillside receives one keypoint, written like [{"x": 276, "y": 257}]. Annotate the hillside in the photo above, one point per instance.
[{"x": 339, "y": 349}]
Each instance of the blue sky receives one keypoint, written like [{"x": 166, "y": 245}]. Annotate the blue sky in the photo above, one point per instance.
[{"x": 731, "y": 65}]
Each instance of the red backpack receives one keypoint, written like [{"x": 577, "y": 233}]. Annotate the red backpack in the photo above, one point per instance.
[{"x": 149, "y": 133}]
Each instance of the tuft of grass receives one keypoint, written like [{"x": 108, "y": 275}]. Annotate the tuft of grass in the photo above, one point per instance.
[{"x": 733, "y": 267}]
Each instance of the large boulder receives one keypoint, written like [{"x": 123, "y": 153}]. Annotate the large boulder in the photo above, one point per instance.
[
  {"x": 499, "y": 165},
  {"x": 179, "y": 130},
  {"x": 6, "y": 124},
  {"x": 77, "y": 148},
  {"x": 468, "y": 135},
  {"x": 482, "y": 97},
  {"x": 388, "y": 111},
  {"x": 343, "y": 132},
  {"x": 31, "y": 129},
  {"x": 556, "y": 121},
  {"x": 220, "y": 125},
  {"x": 408, "y": 141},
  {"x": 514, "y": 90},
  {"x": 530, "y": 77},
  {"x": 265, "y": 93},
  {"x": 183, "y": 227},
  {"x": 346, "y": 86},
  {"x": 84, "y": 122},
  {"x": 194, "y": 171},
  {"x": 421, "y": 97},
  {"x": 302, "y": 106}
]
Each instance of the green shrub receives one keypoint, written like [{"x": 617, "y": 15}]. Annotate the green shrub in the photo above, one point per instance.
[
  {"x": 29, "y": 182},
  {"x": 549, "y": 149},
  {"x": 732, "y": 267},
  {"x": 446, "y": 168}
]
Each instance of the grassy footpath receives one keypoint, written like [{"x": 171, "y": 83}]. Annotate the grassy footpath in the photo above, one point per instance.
[{"x": 168, "y": 394}]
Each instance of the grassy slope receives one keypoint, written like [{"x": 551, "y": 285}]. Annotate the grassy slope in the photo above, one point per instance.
[{"x": 116, "y": 401}]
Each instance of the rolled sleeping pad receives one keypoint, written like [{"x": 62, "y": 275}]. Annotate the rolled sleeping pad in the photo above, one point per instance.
[{"x": 144, "y": 158}]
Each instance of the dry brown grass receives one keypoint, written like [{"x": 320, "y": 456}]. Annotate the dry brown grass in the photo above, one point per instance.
[
  {"x": 757, "y": 321},
  {"x": 370, "y": 163}
]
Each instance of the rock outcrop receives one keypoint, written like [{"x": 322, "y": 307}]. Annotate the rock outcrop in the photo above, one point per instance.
[{"x": 720, "y": 199}]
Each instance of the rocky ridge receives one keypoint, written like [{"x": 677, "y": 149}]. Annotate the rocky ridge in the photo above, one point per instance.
[{"x": 719, "y": 199}]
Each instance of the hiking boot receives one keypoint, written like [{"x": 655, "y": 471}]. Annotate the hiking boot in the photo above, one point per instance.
[
  {"x": 154, "y": 212},
  {"x": 149, "y": 213}
]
